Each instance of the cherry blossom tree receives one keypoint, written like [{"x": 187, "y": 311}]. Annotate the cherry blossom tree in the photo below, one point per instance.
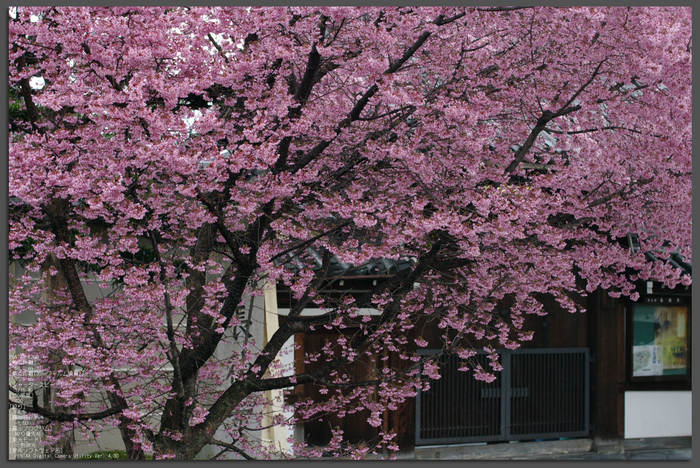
[{"x": 184, "y": 157}]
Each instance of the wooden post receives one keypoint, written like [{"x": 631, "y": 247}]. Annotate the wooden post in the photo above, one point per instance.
[
  {"x": 605, "y": 334},
  {"x": 273, "y": 435}
]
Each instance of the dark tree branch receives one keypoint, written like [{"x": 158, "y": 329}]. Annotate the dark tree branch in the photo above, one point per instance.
[
  {"x": 310, "y": 241},
  {"x": 622, "y": 191},
  {"x": 542, "y": 122},
  {"x": 546, "y": 117},
  {"x": 581, "y": 89},
  {"x": 362, "y": 103},
  {"x": 64, "y": 417},
  {"x": 173, "y": 354},
  {"x": 218, "y": 47},
  {"x": 504, "y": 8},
  {"x": 232, "y": 447},
  {"x": 591, "y": 130}
]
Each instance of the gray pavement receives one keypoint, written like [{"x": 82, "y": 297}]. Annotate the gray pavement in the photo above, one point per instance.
[
  {"x": 671, "y": 448},
  {"x": 657, "y": 454}
]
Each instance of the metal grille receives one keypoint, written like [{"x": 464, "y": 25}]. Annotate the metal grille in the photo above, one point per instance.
[{"x": 541, "y": 393}]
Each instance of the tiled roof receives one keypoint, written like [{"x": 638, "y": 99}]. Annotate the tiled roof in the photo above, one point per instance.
[
  {"x": 674, "y": 258},
  {"x": 377, "y": 267}
]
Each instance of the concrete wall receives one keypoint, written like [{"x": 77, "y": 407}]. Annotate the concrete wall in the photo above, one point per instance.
[{"x": 658, "y": 414}]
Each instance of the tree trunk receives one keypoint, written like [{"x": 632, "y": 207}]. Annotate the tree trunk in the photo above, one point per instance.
[{"x": 63, "y": 448}]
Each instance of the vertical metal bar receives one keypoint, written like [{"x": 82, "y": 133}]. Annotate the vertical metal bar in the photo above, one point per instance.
[
  {"x": 572, "y": 396},
  {"x": 540, "y": 408},
  {"x": 551, "y": 418},
  {"x": 514, "y": 402},
  {"x": 469, "y": 417},
  {"x": 587, "y": 393},
  {"x": 480, "y": 420},
  {"x": 497, "y": 402},
  {"x": 527, "y": 381},
  {"x": 572, "y": 422},
  {"x": 553, "y": 384},
  {"x": 486, "y": 415},
  {"x": 453, "y": 398},
  {"x": 455, "y": 389},
  {"x": 518, "y": 366},
  {"x": 525, "y": 370},
  {"x": 579, "y": 379},
  {"x": 575, "y": 378},
  {"x": 463, "y": 415},
  {"x": 472, "y": 404},
  {"x": 554, "y": 408},
  {"x": 579, "y": 392},
  {"x": 516, "y": 363},
  {"x": 537, "y": 382},
  {"x": 449, "y": 398},
  {"x": 505, "y": 396},
  {"x": 440, "y": 397},
  {"x": 460, "y": 405},
  {"x": 563, "y": 395},
  {"x": 523, "y": 383},
  {"x": 569, "y": 392},
  {"x": 557, "y": 395},
  {"x": 451, "y": 392},
  {"x": 419, "y": 420},
  {"x": 533, "y": 390},
  {"x": 460, "y": 397},
  {"x": 428, "y": 410},
  {"x": 493, "y": 416},
  {"x": 574, "y": 392},
  {"x": 574, "y": 387},
  {"x": 546, "y": 419},
  {"x": 434, "y": 394},
  {"x": 445, "y": 396}
]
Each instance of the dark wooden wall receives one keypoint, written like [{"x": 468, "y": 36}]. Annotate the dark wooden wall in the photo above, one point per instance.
[
  {"x": 318, "y": 432},
  {"x": 606, "y": 342},
  {"x": 561, "y": 329},
  {"x": 558, "y": 329},
  {"x": 602, "y": 329}
]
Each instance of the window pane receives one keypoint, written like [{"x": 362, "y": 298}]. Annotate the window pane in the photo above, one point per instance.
[{"x": 660, "y": 341}]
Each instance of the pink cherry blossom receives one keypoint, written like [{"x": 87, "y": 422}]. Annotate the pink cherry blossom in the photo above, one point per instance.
[{"x": 181, "y": 158}]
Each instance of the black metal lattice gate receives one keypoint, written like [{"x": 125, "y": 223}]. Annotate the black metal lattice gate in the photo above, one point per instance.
[{"x": 539, "y": 394}]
